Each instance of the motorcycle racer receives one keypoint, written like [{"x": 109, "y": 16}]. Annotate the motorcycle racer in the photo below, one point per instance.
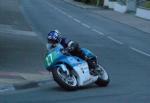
[{"x": 55, "y": 37}]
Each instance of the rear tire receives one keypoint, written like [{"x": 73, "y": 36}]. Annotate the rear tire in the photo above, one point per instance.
[
  {"x": 102, "y": 83},
  {"x": 63, "y": 83}
]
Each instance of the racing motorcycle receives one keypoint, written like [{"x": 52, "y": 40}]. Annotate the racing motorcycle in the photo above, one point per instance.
[{"x": 71, "y": 72}]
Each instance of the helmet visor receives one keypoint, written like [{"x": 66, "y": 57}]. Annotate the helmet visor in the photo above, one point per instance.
[{"x": 52, "y": 41}]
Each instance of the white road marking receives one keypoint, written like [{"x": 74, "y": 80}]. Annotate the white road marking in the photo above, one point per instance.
[
  {"x": 100, "y": 33},
  {"x": 76, "y": 20},
  {"x": 6, "y": 88},
  {"x": 18, "y": 32},
  {"x": 63, "y": 12},
  {"x": 69, "y": 16},
  {"x": 114, "y": 40},
  {"x": 140, "y": 51},
  {"x": 85, "y": 25}
]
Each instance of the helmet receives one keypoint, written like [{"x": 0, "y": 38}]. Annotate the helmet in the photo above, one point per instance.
[{"x": 54, "y": 36}]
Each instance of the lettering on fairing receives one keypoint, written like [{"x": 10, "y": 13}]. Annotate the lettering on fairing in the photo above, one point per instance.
[{"x": 83, "y": 67}]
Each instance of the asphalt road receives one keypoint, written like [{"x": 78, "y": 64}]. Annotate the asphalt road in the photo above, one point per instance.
[
  {"x": 21, "y": 49},
  {"x": 122, "y": 50}
]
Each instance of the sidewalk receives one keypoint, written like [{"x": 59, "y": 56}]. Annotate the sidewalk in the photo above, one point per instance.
[
  {"x": 10, "y": 14},
  {"x": 11, "y": 81},
  {"x": 15, "y": 33},
  {"x": 127, "y": 19}
]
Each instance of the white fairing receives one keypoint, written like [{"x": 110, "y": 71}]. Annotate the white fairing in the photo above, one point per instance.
[{"x": 83, "y": 74}]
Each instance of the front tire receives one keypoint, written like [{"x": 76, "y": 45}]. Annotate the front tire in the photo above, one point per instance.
[
  {"x": 103, "y": 79},
  {"x": 67, "y": 82}
]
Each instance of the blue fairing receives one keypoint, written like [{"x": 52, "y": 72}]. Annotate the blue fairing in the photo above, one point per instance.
[
  {"x": 55, "y": 57},
  {"x": 87, "y": 52},
  {"x": 71, "y": 60}
]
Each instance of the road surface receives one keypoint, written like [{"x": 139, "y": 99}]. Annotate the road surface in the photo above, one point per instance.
[{"x": 123, "y": 51}]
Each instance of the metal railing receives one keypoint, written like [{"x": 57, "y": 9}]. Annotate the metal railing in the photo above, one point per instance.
[{"x": 138, "y": 2}]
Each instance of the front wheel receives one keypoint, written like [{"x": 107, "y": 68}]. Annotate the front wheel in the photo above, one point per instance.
[
  {"x": 103, "y": 79},
  {"x": 65, "y": 79}
]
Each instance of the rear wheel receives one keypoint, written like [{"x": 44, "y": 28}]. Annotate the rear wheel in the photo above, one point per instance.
[
  {"x": 103, "y": 79},
  {"x": 65, "y": 79}
]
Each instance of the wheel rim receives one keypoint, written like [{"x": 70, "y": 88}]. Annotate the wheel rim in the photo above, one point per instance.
[{"x": 68, "y": 79}]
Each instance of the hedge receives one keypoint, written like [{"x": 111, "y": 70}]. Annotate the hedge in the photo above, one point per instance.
[
  {"x": 93, "y": 2},
  {"x": 147, "y": 4}
]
